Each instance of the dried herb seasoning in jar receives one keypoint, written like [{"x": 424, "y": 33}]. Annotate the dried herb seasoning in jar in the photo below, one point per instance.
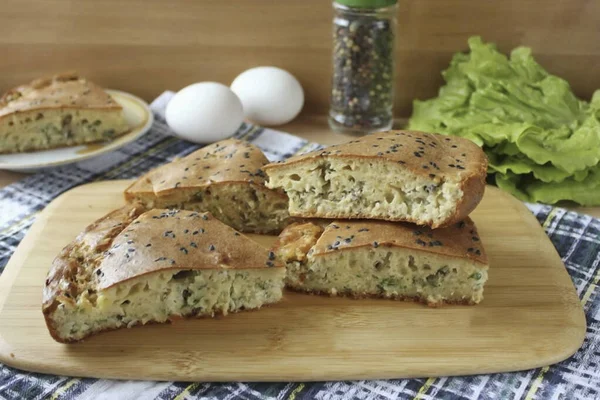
[{"x": 362, "y": 92}]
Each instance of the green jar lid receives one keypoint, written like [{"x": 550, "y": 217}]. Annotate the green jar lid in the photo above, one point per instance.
[{"x": 367, "y": 3}]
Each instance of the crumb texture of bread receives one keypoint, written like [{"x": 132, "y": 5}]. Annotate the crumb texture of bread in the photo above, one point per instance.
[
  {"x": 417, "y": 177},
  {"x": 225, "y": 179},
  {"x": 135, "y": 266},
  {"x": 64, "y": 110},
  {"x": 390, "y": 260}
]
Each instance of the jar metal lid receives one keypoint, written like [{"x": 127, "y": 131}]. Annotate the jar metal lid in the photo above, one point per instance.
[{"x": 367, "y": 3}]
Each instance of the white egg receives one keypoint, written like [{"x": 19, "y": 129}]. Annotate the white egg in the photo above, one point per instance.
[
  {"x": 269, "y": 95},
  {"x": 204, "y": 112}
]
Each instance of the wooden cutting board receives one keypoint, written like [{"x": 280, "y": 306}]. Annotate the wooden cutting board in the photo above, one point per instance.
[{"x": 530, "y": 317}]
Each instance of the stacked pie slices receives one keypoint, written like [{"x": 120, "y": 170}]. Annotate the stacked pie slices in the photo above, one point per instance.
[{"x": 382, "y": 216}]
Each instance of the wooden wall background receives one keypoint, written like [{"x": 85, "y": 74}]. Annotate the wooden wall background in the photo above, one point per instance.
[{"x": 146, "y": 46}]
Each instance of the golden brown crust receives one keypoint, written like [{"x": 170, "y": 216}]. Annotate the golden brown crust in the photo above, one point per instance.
[
  {"x": 422, "y": 153},
  {"x": 437, "y": 157},
  {"x": 60, "y": 282},
  {"x": 473, "y": 188},
  {"x": 63, "y": 91},
  {"x": 173, "y": 239},
  {"x": 296, "y": 240},
  {"x": 115, "y": 249},
  {"x": 459, "y": 240},
  {"x": 226, "y": 162}
]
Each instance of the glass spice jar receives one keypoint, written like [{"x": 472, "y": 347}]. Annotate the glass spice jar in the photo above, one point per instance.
[{"x": 362, "y": 92}]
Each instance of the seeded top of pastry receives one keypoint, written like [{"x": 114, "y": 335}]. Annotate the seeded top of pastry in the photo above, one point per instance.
[
  {"x": 427, "y": 154},
  {"x": 173, "y": 239},
  {"x": 457, "y": 240},
  {"x": 60, "y": 91},
  {"x": 229, "y": 160},
  {"x": 130, "y": 242}
]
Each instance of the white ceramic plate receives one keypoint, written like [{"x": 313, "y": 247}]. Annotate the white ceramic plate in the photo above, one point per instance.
[{"x": 137, "y": 114}]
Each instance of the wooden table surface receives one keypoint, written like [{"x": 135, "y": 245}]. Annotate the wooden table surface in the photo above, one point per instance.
[{"x": 314, "y": 129}]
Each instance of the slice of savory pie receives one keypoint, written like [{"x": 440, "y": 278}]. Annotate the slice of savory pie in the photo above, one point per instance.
[
  {"x": 224, "y": 179},
  {"x": 64, "y": 110},
  {"x": 418, "y": 177},
  {"x": 133, "y": 267},
  {"x": 386, "y": 259}
]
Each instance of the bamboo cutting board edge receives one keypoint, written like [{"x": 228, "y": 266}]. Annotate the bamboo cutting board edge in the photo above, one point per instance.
[{"x": 547, "y": 350}]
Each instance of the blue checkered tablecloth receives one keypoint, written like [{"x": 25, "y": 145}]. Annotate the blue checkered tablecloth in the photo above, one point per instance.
[{"x": 576, "y": 237}]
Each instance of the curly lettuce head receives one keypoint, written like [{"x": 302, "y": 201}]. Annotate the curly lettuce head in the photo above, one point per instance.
[{"x": 539, "y": 137}]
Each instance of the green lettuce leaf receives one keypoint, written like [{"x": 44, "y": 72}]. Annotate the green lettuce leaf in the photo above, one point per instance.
[
  {"x": 533, "y": 128},
  {"x": 585, "y": 192}
]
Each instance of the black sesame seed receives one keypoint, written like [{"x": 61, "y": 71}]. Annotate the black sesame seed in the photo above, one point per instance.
[
  {"x": 417, "y": 233},
  {"x": 420, "y": 242},
  {"x": 130, "y": 250},
  {"x": 432, "y": 176},
  {"x": 269, "y": 264},
  {"x": 375, "y": 244},
  {"x": 475, "y": 239},
  {"x": 417, "y": 154},
  {"x": 435, "y": 243},
  {"x": 347, "y": 240},
  {"x": 186, "y": 231},
  {"x": 454, "y": 146},
  {"x": 451, "y": 165},
  {"x": 329, "y": 247},
  {"x": 460, "y": 167},
  {"x": 194, "y": 245},
  {"x": 336, "y": 243},
  {"x": 99, "y": 272},
  {"x": 236, "y": 233},
  {"x": 363, "y": 230},
  {"x": 149, "y": 245},
  {"x": 195, "y": 233},
  {"x": 478, "y": 252},
  {"x": 461, "y": 224},
  {"x": 160, "y": 259},
  {"x": 380, "y": 154},
  {"x": 425, "y": 167},
  {"x": 205, "y": 217},
  {"x": 211, "y": 248},
  {"x": 271, "y": 255}
]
